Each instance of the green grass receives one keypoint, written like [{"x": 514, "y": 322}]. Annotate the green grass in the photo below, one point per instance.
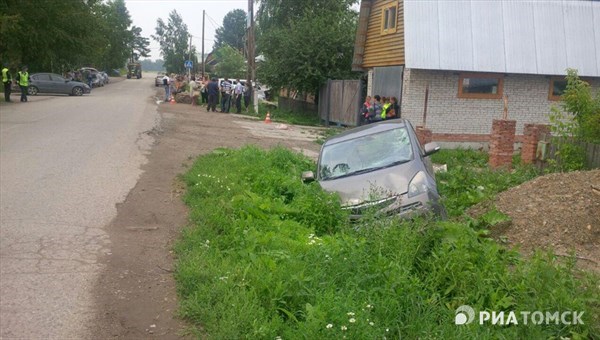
[
  {"x": 285, "y": 116},
  {"x": 469, "y": 180},
  {"x": 267, "y": 256}
]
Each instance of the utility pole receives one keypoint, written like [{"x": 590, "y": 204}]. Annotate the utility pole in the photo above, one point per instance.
[
  {"x": 190, "y": 58},
  {"x": 203, "y": 69},
  {"x": 251, "y": 57}
]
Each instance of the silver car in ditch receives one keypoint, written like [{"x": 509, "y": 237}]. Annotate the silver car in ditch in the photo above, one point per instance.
[{"x": 380, "y": 167}]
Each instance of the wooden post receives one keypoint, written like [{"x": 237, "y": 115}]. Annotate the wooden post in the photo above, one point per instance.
[
  {"x": 203, "y": 68},
  {"x": 505, "y": 115},
  {"x": 425, "y": 105}
]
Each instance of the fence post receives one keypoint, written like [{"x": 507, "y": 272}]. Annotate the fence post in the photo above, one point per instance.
[
  {"x": 502, "y": 141},
  {"x": 328, "y": 101}
]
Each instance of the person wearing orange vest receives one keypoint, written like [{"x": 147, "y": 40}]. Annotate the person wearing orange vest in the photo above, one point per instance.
[
  {"x": 7, "y": 81},
  {"x": 23, "y": 80}
]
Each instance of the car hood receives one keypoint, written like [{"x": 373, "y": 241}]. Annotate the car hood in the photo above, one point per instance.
[{"x": 373, "y": 185}]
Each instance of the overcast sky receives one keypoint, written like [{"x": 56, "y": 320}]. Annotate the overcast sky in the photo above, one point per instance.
[{"x": 144, "y": 14}]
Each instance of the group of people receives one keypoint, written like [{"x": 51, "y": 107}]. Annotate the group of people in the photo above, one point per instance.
[
  {"x": 209, "y": 92},
  {"x": 376, "y": 108},
  {"x": 21, "y": 78}
]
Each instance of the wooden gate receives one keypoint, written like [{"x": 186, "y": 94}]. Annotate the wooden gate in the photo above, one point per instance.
[{"x": 339, "y": 102}]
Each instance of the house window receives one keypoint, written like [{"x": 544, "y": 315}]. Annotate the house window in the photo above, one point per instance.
[
  {"x": 480, "y": 86},
  {"x": 389, "y": 16},
  {"x": 557, "y": 88}
]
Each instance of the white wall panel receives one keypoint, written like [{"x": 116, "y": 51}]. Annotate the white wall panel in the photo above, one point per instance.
[
  {"x": 488, "y": 36},
  {"x": 519, "y": 36},
  {"x": 456, "y": 38},
  {"x": 421, "y": 34}
]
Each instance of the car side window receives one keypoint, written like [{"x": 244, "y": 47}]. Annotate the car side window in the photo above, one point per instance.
[{"x": 45, "y": 77}]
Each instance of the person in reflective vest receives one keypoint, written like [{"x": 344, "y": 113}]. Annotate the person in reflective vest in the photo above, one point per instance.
[
  {"x": 23, "y": 79},
  {"x": 385, "y": 108},
  {"x": 7, "y": 81}
]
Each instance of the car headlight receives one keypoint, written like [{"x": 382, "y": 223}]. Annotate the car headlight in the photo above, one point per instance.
[
  {"x": 418, "y": 185},
  {"x": 86, "y": 86}
]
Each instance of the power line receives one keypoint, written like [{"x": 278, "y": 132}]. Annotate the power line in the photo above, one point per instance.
[{"x": 213, "y": 22}]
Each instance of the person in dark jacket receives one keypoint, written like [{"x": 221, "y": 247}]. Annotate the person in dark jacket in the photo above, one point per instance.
[{"x": 213, "y": 94}]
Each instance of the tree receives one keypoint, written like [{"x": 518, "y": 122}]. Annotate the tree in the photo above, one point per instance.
[
  {"x": 150, "y": 65},
  {"x": 173, "y": 38},
  {"x": 63, "y": 34},
  {"x": 281, "y": 13},
  {"x": 48, "y": 35},
  {"x": 115, "y": 24},
  {"x": 305, "y": 42},
  {"x": 231, "y": 62},
  {"x": 138, "y": 44},
  {"x": 233, "y": 30}
]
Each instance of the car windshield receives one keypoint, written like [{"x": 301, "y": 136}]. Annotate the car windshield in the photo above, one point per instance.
[{"x": 365, "y": 154}]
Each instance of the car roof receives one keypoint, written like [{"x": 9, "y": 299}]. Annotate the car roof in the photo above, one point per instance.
[
  {"x": 367, "y": 130},
  {"x": 50, "y": 73}
]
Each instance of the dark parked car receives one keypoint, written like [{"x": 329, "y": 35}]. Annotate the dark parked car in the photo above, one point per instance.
[
  {"x": 382, "y": 167},
  {"x": 54, "y": 83}
]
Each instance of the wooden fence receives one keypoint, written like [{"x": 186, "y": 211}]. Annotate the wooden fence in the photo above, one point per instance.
[
  {"x": 339, "y": 102},
  {"x": 592, "y": 154}
]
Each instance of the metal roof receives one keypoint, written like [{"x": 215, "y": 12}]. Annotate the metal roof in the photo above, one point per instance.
[{"x": 505, "y": 36}]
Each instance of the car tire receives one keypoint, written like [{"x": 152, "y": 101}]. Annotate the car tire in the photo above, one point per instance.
[
  {"x": 77, "y": 91},
  {"x": 32, "y": 90}
]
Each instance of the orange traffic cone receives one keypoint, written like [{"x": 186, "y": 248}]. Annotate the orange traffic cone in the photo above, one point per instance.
[
  {"x": 172, "y": 100},
  {"x": 268, "y": 118}
]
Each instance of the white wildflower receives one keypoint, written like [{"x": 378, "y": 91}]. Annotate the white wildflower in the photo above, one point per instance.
[
  {"x": 350, "y": 313},
  {"x": 372, "y": 323},
  {"x": 343, "y": 328},
  {"x": 352, "y": 320},
  {"x": 329, "y": 326}
]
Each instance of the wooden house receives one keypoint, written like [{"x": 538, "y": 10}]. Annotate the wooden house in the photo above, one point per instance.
[{"x": 470, "y": 53}]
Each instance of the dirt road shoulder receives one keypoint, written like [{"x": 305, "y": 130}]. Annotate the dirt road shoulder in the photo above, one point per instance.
[{"x": 136, "y": 292}]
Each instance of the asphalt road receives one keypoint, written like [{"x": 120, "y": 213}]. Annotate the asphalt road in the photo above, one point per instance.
[{"x": 64, "y": 164}]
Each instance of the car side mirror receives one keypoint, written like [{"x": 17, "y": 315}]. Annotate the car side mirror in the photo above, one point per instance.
[
  {"x": 431, "y": 148},
  {"x": 308, "y": 176}
]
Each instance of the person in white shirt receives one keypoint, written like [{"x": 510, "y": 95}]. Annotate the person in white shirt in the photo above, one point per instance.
[
  {"x": 225, "y": 95},
  {"x": 167, "y": 84},
  {"x": 238, "y": 92}
]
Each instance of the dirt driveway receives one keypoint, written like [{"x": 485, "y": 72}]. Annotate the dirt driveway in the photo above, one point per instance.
[{"x": 136, "y": 293}]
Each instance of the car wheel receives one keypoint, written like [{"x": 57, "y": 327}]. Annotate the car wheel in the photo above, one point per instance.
[
  {"x": 32, "y": 90},
  {"x": 77, "y": 91}
]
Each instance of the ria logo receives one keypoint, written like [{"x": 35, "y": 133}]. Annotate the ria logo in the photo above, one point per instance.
[{"x": 464, "y": 315}]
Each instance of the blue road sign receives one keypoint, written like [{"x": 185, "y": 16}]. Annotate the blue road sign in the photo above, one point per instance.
[{"x": 188, "y": 64}]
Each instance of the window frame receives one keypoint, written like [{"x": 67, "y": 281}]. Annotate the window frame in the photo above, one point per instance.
[
  {"x": 551, "y": 96},
  {"x": 386, "y": 7},
  {"x": 497, "y": 95}
]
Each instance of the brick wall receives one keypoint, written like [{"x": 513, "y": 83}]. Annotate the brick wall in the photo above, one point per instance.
[{"x": 447, "y": 114}]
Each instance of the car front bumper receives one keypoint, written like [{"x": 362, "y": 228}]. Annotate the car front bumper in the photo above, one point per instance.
[{"x": 400, "y": 205}]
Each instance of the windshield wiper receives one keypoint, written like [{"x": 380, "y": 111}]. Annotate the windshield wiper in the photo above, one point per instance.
[{"x": 362, "y": 171}]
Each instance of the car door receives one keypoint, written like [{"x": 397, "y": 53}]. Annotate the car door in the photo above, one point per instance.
[
  {"x": 42, "y": 81},
  {"x": 60, "y": 84}
]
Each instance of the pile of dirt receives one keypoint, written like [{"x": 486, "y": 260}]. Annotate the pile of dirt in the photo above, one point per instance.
[{"x": 558, "y": 211}]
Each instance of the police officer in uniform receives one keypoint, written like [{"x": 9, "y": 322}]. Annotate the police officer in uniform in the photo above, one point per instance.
[
  {"x": 7, "y": 81},
  {"x": 23, "y": 79}
]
